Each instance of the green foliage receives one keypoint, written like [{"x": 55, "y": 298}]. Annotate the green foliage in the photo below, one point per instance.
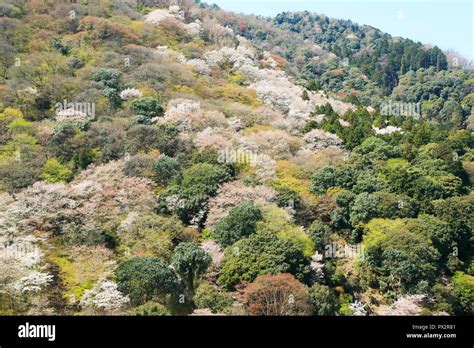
[
  {"x": 148, "y": 138},
  {"x": 458, "y": 212},
  {"x": 277, "y": 221},
  {"x": 210, "y": 296},
  {"x": 262, "y": 253},
  {"x": 392, "y": 205},
  {"x": 464, "y": 290},
  {"x": 146, "y": 278},
  {"x": 190, "y": 261},
  {"x": 287, "y": 197},
  {"x": 167, "y": 169},
  {"x": 90, "y": 235},
  {"x": 387, "y": 60},
  {"x": 108, "y": 77},
  {"x": 407, "y": 195},
  {"x": 152, "y": 234},
  {"x": 376, "y": 149},
  {"x": 111, "y": 81},
  {"x": 239, "y": 223},
  {"x": 320, "y": 234},
  {"x": 200, "y": 182},
  {"x": 147, "y": 107},
  {"x": 53, "y": 171},
  {"x": 364, "y": 208},
  {"x": 84, "y": 158},
  {"x": 324, "y": 300},
  {"x": 323, "y": 179},
  {"x": 150, "y": 308},
  {"x": 443, "y": 237},
  {"x": 398, "y": 260},
  {"x": 63, "y": 49}
]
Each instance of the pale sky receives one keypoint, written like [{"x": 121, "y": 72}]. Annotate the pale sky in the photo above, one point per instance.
[{"x": 449, "y": 24}]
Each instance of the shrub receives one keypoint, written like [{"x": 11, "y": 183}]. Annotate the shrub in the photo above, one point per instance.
[
  {"x": 150, "y": 309},
  {"x": 324, "y": 300},
  {"x": 200, "y": 182},
  {"x": 262, "y": 253},
  {"x": 400, "y": 260},
  {"x": 146, "y": 278},
  {"x": 190, "y": 262},
  {"x": 166, "y": 169},
  {"x": 464, "y": 291},
  {"x": 320, "y": 233},
  {"x": 240, "y": 222},
  {"x": 53, "y": 171},
  {"x": 277, "y": 295},
  {"x": 210, "y": 296},
  {"x": 147, "y": 106}
]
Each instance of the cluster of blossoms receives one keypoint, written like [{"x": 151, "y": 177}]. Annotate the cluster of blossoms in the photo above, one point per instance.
[
  {"x": 232, "y": 193},
  {"x": 236, "y": 124},
  {"x": 173, "y": 202},
  {"x": 105, "y": 296},
  {"x": 272, "y": 63},
  {"x": 238, "y": 57},
  {"x": 272, "y": 86},
  {"x": 344, "y": 123},
  {"x": 317, "y": 266},
  {"x": 404, "y": 305},
  {"x": 265, "y": 168},
  {"x": 166, "y": 53},
  {"x": 217, "y": 138},
  {"x": 317, "y": 139},
  {"x": 70, "y": 115},
  {"x": 34, "y": 281},
  {"x": 194, "y": 28},
  {"x": 188, "y": 116},
  {"x": 20, "y": 257},
  {"x": 275, "y": 143},
  {"x": 174, "y": 13},
  {"x": 180, "y": 112},
  {"x": 159, "y": 15},
  {"x": 284, "y": 96},
  {"x": 200, "y": 66},
  {"x": 97, "y": 194},
  {"x": 130, "y": 93},
  {"x": 29, "y": 90},
  {"x": 358, "y": 308},
  {"x": 386, "y": 130}
]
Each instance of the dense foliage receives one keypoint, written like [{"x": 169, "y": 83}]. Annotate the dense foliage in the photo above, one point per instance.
[{"x": 170, "y": 158}]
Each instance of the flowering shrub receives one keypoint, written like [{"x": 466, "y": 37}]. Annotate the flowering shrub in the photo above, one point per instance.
[
  {"x": 232, "y": 193},
  {"x": 187, "y": 115},
  {"x": 275, "y": 143},
  {"x": 318, "y": 139},
  {"x": 70, "y": 115},
  {"x": 130, "y": 93},
  {"x": 34, "y": 281},
  {"x": 105, "y": 296},
  {"x": 200, "y": 66},
  {"x": 214, "y": 138},
  {"x": 386, "y": 130}
]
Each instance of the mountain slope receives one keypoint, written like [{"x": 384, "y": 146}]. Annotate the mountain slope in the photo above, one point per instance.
[{"x": 161, "y": 159}]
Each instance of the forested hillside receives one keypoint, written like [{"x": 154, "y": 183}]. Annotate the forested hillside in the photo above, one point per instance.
[{"x": 164, "y": 157}]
